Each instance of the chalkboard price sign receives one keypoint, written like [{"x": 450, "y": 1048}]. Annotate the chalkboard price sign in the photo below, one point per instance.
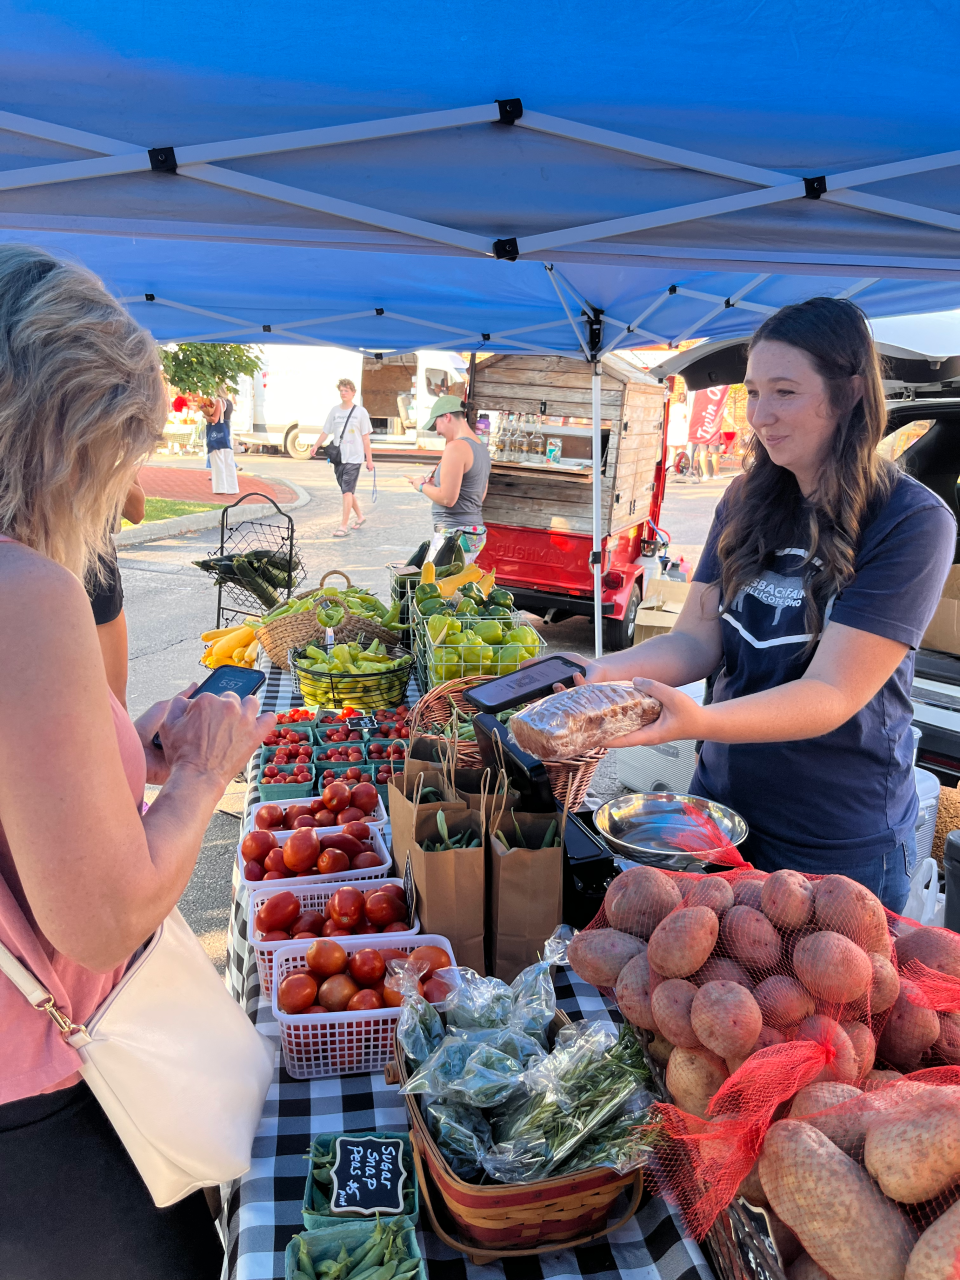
[{"x": 367, "y": 1176}]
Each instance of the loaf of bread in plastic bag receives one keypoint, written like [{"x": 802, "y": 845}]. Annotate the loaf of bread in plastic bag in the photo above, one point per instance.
[{"x": 577, "y": 720}]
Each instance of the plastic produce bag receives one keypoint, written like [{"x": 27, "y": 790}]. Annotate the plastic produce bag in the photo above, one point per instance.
[
  {"x": 444, "y": 1065},
  {"x": 419, "y": 1029},
  {"x": 618, "y": 1144},
  {"x": 925, "y": 903},
  {"x": 534, "y": 999},
  {"x": 581, "y": 719},
  {"x": 462, "y": 1134},
  {"x": 475, "y": 1002},
  {"x": 476, "y": 1068}
]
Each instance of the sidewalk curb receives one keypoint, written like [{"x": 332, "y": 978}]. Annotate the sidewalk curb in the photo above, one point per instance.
[{"x": 158, "y": 529}]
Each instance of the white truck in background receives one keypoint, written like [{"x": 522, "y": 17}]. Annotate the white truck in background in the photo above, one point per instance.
[{"x": 287, "y": 402}]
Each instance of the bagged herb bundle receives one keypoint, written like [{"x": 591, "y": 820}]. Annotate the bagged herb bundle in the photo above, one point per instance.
[{"x": 462, "y": 1134}]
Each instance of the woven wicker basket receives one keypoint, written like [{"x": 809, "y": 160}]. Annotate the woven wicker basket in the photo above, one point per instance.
[
  {"x": 300, "y": 629},
  {"x": 566, "y": 776}
]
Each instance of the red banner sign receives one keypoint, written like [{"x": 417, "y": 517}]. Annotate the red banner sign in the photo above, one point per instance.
[{"x": 706, "y": 415}]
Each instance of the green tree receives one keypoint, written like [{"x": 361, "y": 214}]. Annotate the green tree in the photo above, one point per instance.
[{"x": 205, "y": 367}]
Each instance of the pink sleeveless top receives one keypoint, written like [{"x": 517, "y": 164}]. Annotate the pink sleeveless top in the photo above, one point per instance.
[{"x": 35, "y": 1058}]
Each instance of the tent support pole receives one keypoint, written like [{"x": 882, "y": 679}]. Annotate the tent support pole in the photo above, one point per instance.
[{"x": 595, "y": 558}]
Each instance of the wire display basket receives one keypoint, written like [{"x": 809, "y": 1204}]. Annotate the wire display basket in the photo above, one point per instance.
[
  {"x": 441, "y": 663},
  {"x": 424, "y": 649},
  {"x": 365, "y": 692},
  {"x": 270, "y": 534}
]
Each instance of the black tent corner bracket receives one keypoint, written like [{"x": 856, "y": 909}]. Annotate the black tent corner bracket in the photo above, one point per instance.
[
  {"x": 163, "y": 159},
  {"x": 814, "y": 188},
  {"x": 511, "y": 109},
  {"x": 506, "y": 250}
]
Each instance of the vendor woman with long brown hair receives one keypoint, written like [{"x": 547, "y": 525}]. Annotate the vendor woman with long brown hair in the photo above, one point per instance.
[{"x": 821, "y": 571}]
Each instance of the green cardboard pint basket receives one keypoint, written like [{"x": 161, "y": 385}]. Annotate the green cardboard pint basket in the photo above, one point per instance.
[
  {"x": 316, "y": 1214},
  {"x": 286, "y": 790}
]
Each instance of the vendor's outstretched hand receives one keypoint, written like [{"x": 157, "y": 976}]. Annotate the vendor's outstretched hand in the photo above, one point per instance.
[{"x": 680, "y": 718}]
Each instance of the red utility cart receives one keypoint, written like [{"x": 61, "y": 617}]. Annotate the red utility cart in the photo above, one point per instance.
[{"x": 538, "y": 508}]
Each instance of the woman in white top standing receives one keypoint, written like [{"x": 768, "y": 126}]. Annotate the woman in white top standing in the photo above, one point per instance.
[{"x": 348, "y": 425}]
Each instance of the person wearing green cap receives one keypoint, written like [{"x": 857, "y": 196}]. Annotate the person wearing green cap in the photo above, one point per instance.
[{"x": 458, "y": 486}]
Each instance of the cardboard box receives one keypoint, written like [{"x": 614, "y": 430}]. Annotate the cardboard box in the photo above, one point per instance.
[
  {"x": 943, "y": 633},
  {"x": 660, "y": 608}
]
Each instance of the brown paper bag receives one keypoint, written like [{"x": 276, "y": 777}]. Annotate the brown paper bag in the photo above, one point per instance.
[
  {"x": 401, "y": 796},
  {"x": 525, "y": 887},
  {"x": 450, "y": 884},
  {"x": 467, "y": 786}
]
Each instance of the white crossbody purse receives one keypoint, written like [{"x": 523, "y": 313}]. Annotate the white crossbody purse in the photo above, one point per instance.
[{"x": 173, "y": 1060}]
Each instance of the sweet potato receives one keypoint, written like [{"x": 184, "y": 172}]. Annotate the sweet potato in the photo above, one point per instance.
[
  {"x": 598, "y": 955},
  {"x": 908, "y": 1031},
  {"x": 864, "y": 1045},
  {"x": 749, "y": 937},
  {"x": 844, "y": 906},
  {"x": 681, "y": 943},
  {"x": 885, "y": 984},
  {"x": 693, "y": 1077},
  {"x": 786, "y": 899},
  {"x": 914, "y": 1150},
  {"x": 712, "y": 892},
  {"x": 639, "y": 898},
  {"x": 660, "y": 1050},
  {"x": 936, "y": 948},
  {"x": 633, "y": 991},
  {"x": 806, "y": 1269},
  {"x": 843, "y": 1063},
  {"x": 721, "y": 969},
  {"x": 947, "y": 1044},
  {"x": 936, "y": 1255},
  {"x": 747, "y": 889},
  {"x": 783, "y": 1001},
  {"x": 671, "y": 1010},
  {"x": 832, "y": 967},
  {"x": 837, "y": 1213},
  {"x": 726, "y": 1018}
]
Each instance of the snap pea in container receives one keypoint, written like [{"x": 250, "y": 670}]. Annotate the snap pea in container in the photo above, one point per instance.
[
  {"x": 324, "y": 1246},
  {"x": 316, "y": 1206}
]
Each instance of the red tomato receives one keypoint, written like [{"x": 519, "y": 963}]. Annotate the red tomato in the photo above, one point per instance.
[
  {"x": 383, "y": 909},
  {"x": 366, "y": 927},
  {"x": 391, "y": 953},
  {"x": 367, "y": 999},
  {"x": 434, "y": 990},
  {"x": 316, "y": 804},
  {"x": 435, "y": 957},
  {"x": 276, "y": 935},
  {"x": 350, "y": 816},
  {"x": 330, "y": 930},
  {"x": 301, "y": 851},
  {"x": 352, "y": 775},
  {"x": 308, "y": 922},
  {"x": 364, "y": 859},
  {"x": 271, "y": 815},
  {"x": 306, "y": 933},
  {"x": 274, "y": 862},
  {"x": 297, "y": 992},
  {"x": 336, "y": 796},
  {"x": 278, "y": 912},
  {"x": 337, "y": 992},
  {"x": 333, "y": 862},
  {"x": 253, "y": 871},
  {"x": 305, "y": 820},
  {"x": 392, "y": 995},
  {"x": 364, "y": 797},
  {"x": 326, "y": 819},
  {"x": 269, "y": 875},
  {"x": 395, "y": 889},
  {"x": 346, "y": 907},
  {"x": 366, "y": 967},
  {"x": 358, "y": 829},
  {"x": 337, "y": 840},
  {"x": 398, "y": 926},
  {"x": 326, "y": 957}
]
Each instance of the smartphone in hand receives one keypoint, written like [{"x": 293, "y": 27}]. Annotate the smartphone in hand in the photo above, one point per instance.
[{"x": 227, "y": 679}]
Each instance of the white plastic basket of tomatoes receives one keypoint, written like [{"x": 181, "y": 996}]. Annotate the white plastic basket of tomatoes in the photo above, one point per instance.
[
  {"x": 337, "y": 1004},
  {"x": 316, "y": 811},
  {"x": 385, "y": 913},
  {"x": 313, "y": 855}
]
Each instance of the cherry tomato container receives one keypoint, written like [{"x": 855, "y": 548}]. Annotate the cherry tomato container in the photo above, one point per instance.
[
  {"x": 340, "y": 1044},
  {"x": 309, "y": 729},
  {"x": 313, "y": 897},
  {"x": 267, "y": 754},
  {"x": 375, "y": 819},
  {"x": 273, "y": 791},
  {"x": 380, "y": 872}
]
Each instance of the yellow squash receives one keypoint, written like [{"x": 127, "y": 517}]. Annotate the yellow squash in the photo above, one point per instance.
[{"x": 449, "y": 585}]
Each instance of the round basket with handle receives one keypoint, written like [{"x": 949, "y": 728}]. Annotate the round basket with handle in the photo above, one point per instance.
[
  {"x": 296, "y": 630},
  {"x": 436, "y": 710}
]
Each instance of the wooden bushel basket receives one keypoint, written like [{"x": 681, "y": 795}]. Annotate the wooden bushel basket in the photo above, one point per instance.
[{"x": 510, "y": 1220}]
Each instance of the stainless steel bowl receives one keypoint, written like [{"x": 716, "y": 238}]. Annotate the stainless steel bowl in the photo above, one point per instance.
[{"x": 640, "y": 827}]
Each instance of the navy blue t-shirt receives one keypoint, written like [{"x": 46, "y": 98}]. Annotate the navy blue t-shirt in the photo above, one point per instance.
[{"x": 838, "y": 802}]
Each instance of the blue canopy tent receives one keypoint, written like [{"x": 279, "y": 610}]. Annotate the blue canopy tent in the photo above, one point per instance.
[{"x": 513, "y": 177}]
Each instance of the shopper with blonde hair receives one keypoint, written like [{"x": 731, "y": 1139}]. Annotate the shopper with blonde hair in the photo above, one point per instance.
[{"x": 85, "y": 877}]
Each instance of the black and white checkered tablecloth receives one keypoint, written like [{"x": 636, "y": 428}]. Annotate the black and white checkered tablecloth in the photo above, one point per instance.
[{"x": 262, "y": 1210}]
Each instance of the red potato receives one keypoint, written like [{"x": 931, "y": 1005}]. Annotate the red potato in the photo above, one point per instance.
[
  {"x": 748, "y": 888},
  {"x": 864, "y": 1045},
  {"x": 783, "y": 1001},
  {"x": 660, "y": 1050},
  {"x": 846, "y": 907},
  {"x": 909, "y": 1030},
  {"x": 752, "y": 1189},
  {"x": 884, "y": 984},
  {"x": 639, "y": 898},
  {"x": 598, "y": 955},
  {"x": 671, "y": 1003},
  {"x": 844, "y": 1064},
  {"x": 913, "y": 1151},
  {"x": 693, "y": 1076},
  {"x": 947, "y": 1044},
  {"x": 786, "y": 899},
  {"x": 936, "y": 1255},
  {"x": 634, "y": 990},
  {"x": 823, "y": 1105},
  {"x": 938, "y": 949},
  {"x": 832, "y": 967},
  {"x": 721, "y": 969},
  {"x": 726, "y": 1019},
  {"x": 681, "y": 942},
  {"x": 764, "y": 1040},
  {"x": 876, "y": 1079},
  {"x": 749, "y": 937},
  {"x": 711, "y": 891}
]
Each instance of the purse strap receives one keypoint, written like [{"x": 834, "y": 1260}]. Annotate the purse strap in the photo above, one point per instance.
[
  {"x": 34, "y": 991},
  {"x": 343, "y": 429}
]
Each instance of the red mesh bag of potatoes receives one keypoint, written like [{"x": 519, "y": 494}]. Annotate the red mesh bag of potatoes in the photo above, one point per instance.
[{"x": 757, "y": 987}]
